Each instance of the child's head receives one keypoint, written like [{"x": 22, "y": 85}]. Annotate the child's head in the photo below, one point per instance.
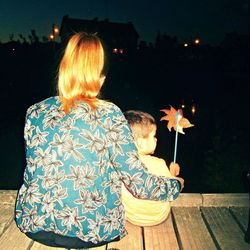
[{"x": 143, "y": 127}]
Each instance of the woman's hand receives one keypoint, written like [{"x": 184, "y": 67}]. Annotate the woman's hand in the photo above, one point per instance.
[{"x": 181, "y": 180}]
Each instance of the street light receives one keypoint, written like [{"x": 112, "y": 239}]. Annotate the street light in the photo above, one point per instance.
[
  {"x": 197, "y": 41},
  {"x": 55, "y": 32},
  {"x": 193, "y": 109}
]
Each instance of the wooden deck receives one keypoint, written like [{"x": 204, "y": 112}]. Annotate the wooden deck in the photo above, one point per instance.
[{"x": 197, "y": 221}]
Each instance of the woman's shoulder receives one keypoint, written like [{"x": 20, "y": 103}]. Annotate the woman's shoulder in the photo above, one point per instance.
[
  {"x": 108, "y": 107},
  {"x": 44, "y": 104}
]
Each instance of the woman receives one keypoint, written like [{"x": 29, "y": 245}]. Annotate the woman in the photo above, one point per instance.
[{"x": 79, "y": 150}]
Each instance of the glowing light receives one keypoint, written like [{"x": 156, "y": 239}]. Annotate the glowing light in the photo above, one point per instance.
[
  {"x": 185, "y": 44},
  {"x": 193, "y": 109},
  {"x": 52, "y": 37},
  {"x": 197, "y": 41},
  {"x": 183, "y": 106},
  {"x": 56, "y": 30},
  {"x": 115, "y": 50},
  {"x": 121, "y": 51}
]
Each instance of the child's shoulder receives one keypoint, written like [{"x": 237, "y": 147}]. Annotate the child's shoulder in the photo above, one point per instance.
[{"x": 153, "y": 160}]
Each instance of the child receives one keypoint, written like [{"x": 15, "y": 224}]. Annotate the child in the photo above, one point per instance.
[{"x": 147, "y": 212}]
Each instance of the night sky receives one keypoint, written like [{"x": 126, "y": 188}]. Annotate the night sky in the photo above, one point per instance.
[{"x": 186, "y": 19}]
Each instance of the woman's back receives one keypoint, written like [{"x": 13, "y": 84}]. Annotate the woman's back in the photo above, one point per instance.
[{"x": 69, "y": 174}]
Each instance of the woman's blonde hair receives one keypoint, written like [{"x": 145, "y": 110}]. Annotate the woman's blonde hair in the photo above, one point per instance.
[{"x": 80, "y": 71}]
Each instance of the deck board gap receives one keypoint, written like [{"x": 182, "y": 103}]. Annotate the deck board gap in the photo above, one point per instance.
[
  {"x": 178, "y": 238},
  {"x": 237, "y": 221},
  {"x": 30, "y": 245},
  {"x": 210, "y": 231},
  {"x": 143, "y": 238}
]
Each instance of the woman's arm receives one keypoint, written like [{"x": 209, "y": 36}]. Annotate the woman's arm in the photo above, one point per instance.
[{"x": 132, "y": 171}]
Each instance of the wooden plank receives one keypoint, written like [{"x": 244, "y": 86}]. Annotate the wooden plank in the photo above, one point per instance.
[
  {"x": 133, "y": 241},
  {"x": 188, "y": 200},
  {"x": 8, "y": 196},
  {"x": 192, "y": 231},
  {"x": 38, "y": 246},
  {"x": 224, "y": 228},
  {"x": 14, "y": 239},
  {"x": 6, "y": 217},
  {"x": 242, "y": 216},
  {"x": 226, "y": 200},
  {"x": 161, "y": 237}
]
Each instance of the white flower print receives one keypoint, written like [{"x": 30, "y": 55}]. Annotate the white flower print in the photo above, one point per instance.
[
  {"x": 38, "y": 221},
  {"x": 97, "y": 198},
  {"x": 96, "y": 143},
  {"x": 134, "y": 161},
  {"x": 53, "y": 118},
  {"x": 52, "y": 164},
  {"x": 25, "y": 225},
  {"x": 102, "y": 165},
  {"x": 36, "y": 110},
  {"x": 112, "y": 127},
  {"x": 159, "y": 189},
  {"x": 39, "y": 138},
  {"x": 59, "y": 142},
  {"x": 132, "y": 181},
  {"x": 83, "y": 176},
  {"x": 116, "y": 140},
  {"x": 111, "y": 220},
  {"x": 43, "y": 158},
  {"x": 28, "y": 130},
  {"x": 33, "y": 194},
  {"x": 84, "y": 112},
  {"x": 85, "y": 202},
  {"x": 94, "y": 225},
  {"x": 60, "y": 194},
  {"x": 31, "y": 165},
  {"x": 48, "y": 203},
  {"x": 70, "y": 147},
  {"x": 113, "y": 182},
  {"x": 68, "y": 126},
  {"x": 69, "y": 217}
]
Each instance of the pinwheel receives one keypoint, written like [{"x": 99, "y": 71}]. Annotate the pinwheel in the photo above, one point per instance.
[{"x": 176, "y": 121}]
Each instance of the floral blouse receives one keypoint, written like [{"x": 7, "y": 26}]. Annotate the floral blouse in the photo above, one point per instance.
[{"x": 76, "y": 164}]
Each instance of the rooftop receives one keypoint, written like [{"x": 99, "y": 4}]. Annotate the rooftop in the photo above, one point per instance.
[{"x": 197, "y": 221}]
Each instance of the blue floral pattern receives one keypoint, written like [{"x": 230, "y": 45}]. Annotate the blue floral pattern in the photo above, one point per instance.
[{"x": 76, "y": 164}]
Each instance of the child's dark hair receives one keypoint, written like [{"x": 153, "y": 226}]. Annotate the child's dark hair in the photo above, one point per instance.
[{"x": 140, "y": 122}]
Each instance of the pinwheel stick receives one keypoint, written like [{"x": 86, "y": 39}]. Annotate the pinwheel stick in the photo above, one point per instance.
[{"x": 178, "y": 117}]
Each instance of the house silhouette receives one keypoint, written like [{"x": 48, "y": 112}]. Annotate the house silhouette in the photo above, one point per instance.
[{"x": 119, "y": 38}]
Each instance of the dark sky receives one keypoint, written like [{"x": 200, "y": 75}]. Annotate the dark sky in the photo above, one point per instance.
[{"x": 186, "y": 19}]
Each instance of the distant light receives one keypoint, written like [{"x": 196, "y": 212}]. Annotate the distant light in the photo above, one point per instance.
[
  {"x": 185, "y": 44},
  {"x": 183, "y": 106},
  {"x": 52, "y": 37},
  {"x": 121, "y": 51},
  {"x": 56, "y": 30},
  {"x": 115, "y": 50},
  {"x": 193, "y": 109},
  {"x": 13, "y": 49},
  {"x": 197, "y": 41}
]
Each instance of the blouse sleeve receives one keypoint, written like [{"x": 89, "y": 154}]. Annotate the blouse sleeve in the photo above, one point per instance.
[{"x": 132, "y": 171}]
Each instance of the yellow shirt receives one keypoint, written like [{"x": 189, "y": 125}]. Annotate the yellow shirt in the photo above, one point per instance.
[{"x": 147, "y": 212}]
